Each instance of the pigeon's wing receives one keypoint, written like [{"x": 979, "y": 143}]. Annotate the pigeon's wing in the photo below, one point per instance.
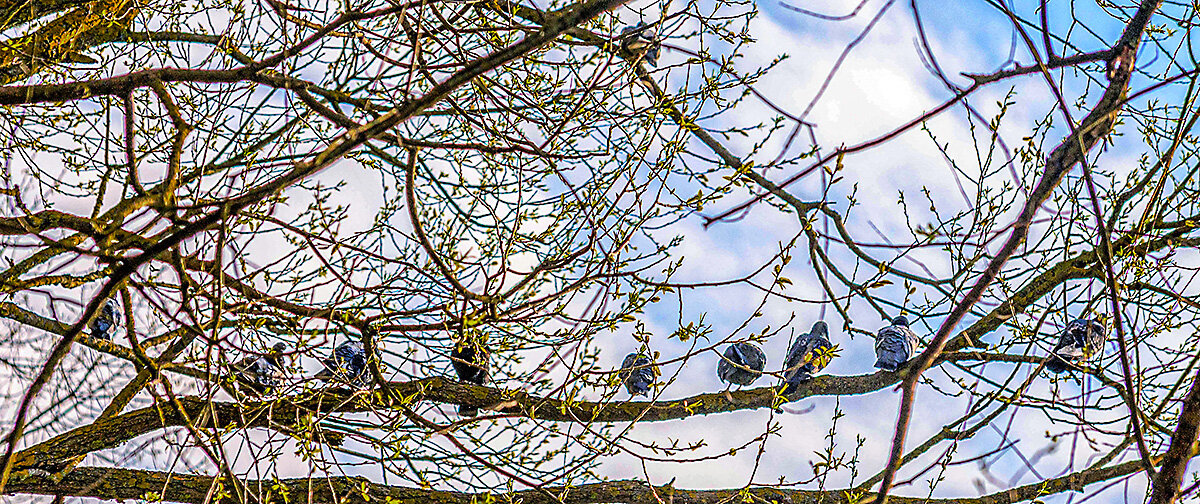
[
  {"x": 755, "y": 358},
  {"x": 910, "y": 339},
  {"x": 1070, "y": 343},
  {"x": 629, "y": 361},
  {"x": 1096, "y": 337},
  {"x": 896, "y": 339},
  {"x": 725, "y": 366},
  {"x": 800, "y": 347},
  {"x": 893, "y": 347},
  {"x": 819, "y": 355}
]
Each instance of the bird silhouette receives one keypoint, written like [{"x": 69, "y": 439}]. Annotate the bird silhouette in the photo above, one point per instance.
[
  {"x": 1081, "y": 339},
  {"x": 470, "y": 362},
  {"x": 741, "y": 364},
  {"x": 347, "y": 364},
  {"x": 108, "y": 318},
  {"x": 637, "y": 373},
  {"x": 894, "y": 344},
  {"x": 810, "y": 353},
  {"x": 638, "y": 40},
  {"x": 260, "y": 374}
]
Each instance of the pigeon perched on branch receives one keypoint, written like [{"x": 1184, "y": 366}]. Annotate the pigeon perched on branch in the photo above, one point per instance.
[
  {"x": 1081, "y": 339},
  {"x": 347, "y": 364},
  {"x": 810, "y": 353},
  {"x": 894, "y": 345},
  {"x": 741, "y": 364},
  {"x": 108, "y": 318},
  {"x": 263, "y": 373},
  {"x": 637, "y": 373},
  {"x": 470, "y": 362},
  {"x": 640, "y": 41}
]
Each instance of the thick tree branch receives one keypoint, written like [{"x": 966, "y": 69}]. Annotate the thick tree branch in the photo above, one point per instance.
[{"x": 112, "y": 483}]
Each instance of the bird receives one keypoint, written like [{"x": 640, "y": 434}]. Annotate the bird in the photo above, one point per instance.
[
  {"x": 810, "y": 353},
  {"x": 470, "y": 362},
  {"x": 347, "y": 364},
  {"x": 894, "y": 344},
  {"x": 741, "y": 364},
  {"x": 263, "y": 373},
  {"x": 637, "y": 373},
  {"x": 1081, "y": 339},
  {"x": 109, "y": 317},
  {"x": 639, "y": 41}
]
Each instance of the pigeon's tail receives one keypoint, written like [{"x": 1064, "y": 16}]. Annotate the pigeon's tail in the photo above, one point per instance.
[
  {"x": 888, "y": 365},
  {"x": 1057, "y": 365},
  {"x": 467, "y": 411}
]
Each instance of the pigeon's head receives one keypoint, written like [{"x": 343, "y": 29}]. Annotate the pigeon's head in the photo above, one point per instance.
[
  {"x": 1096, "y": 326},
  {"x": 279, "y": 348},
  {"x": 820, "y": 329},
  {"x": 900, "y": 320},
  {"x": 635, "y": 360}
]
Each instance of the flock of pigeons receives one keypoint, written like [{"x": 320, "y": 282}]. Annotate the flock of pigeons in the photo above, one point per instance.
[
  {"x": 740, "y": 364},
  {"x": 743, "y": 363}
]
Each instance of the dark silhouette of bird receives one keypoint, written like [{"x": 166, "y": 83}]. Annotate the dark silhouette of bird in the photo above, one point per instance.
[
  {"x": 640, "y": 41},
  {"x": 894, "y": 344},
  {"x": 347, "y": 364},
  {"x": 1079, "y": 341},
  {"x": 263, "y": 373},
  {"x": 810, "y": 353},
  {"x": 637, "y": 373},
  {"x": 470, "y": 362},
  {"x": 106, "y": 320},
  {"x": 741, "y": 364}
]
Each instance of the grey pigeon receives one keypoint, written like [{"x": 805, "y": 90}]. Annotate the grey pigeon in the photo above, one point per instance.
[
  {"x": 741, "y": 364},
  {"x": 260, "y": 374},
  {"x": 106, "y": 320},
  {"x": 808, "y": 355},
  {"x": 637, "y": 381},
  {"x": 470, "y": 362},
  {"x": 894, "y": 344},
  {"x": 347, "y": 364},
  {"x": 640, "y": 41},
  {"x": 1081, "y": 339}
]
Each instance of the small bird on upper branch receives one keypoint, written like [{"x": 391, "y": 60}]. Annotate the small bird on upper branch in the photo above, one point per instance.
[
  {"x": 641, "y": 42},
  {"x": 1079, "y": 341},
  {"x": 106, "y": 320}
]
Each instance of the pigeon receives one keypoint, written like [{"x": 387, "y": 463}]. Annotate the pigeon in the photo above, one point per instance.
[
  {"x": 260, "y": 374},
  {"x": 809, "y": 354},
  {"x": 1081, "y": 339},
  {"x": 894, "y": 344},
  {"x": 637, "y": 381},
  {"x": 639, "y": 41},
  {"x": 347, "y": 364},
  {"x": 470, "y": 361},
  {"x": 741, "y": 364},
  {"x": 106, "y": 320}
]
